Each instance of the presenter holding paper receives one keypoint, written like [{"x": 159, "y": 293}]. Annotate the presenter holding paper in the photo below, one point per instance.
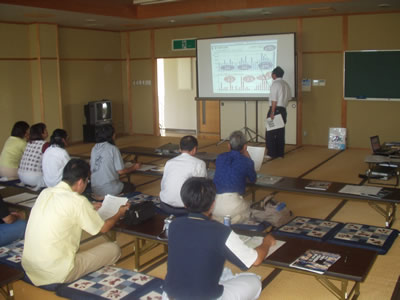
[{"x": 279, "y": 98}]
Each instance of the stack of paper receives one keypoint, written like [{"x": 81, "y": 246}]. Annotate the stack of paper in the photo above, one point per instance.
[{"x": 110, "y": 206}]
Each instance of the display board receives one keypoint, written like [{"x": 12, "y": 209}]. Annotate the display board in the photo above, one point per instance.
[
  {"x": 372, "y": 75},
  {"x": 239, "y": 67}
]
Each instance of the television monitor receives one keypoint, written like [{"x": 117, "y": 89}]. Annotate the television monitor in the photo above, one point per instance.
[{"x": 98, "y": 112}]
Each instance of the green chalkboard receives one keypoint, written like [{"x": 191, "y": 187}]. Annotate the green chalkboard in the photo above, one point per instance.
[{"x": 372, "y": 75}]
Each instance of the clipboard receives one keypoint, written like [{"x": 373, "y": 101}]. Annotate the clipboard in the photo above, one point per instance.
[{"x": 276, "y": 123}]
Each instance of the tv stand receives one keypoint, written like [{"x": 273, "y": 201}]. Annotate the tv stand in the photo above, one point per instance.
[{"x": 89, "y": 133}]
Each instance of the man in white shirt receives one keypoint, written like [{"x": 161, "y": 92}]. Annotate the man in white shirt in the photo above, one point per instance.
[
  {"x": 176, "y": 171},
  {"x": 279, "y": 98}
]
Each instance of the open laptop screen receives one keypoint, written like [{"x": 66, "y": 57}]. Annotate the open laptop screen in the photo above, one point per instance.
[{"x": 375, "y": 143}]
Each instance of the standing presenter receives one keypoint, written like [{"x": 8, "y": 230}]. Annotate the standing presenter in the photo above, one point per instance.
[{"x": 279, "y": 98}]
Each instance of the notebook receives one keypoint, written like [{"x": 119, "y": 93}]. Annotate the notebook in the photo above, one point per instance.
[{"x": 378, "y": 149}]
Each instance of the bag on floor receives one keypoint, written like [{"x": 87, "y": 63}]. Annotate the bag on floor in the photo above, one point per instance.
[
  {"x": 139, "y": 212},
  {"x": 275, "y": 213}
]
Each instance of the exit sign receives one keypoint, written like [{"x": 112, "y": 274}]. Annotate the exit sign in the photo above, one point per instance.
[{"x": 186, "y": 44}]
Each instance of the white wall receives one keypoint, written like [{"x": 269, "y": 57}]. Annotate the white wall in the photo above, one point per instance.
[{"x": 233, "y": 118}]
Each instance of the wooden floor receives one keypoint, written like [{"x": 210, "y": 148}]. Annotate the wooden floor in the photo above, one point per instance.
[{"x": 305, "y": 162}]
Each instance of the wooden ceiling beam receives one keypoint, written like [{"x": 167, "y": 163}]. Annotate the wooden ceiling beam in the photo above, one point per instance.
[
  {"x": 115, "y": 8},
  {"x": 188, "y": 7},
  {"x": 126, "y": 8}
]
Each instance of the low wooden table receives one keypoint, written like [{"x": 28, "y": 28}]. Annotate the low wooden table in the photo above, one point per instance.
[
  {"x": 147, "y": 151},
  {"x": 8, "y": 276},
  {"x": 353, "y": 265},
  {"x": 297, "y": 185},
  {"x": 148, "y": 235}
]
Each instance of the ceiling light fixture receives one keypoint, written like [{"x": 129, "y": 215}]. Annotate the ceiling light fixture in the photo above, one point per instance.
[{"x": 384, "y": 5}]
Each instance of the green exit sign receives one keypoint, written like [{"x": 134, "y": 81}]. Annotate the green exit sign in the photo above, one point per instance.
[{"x": 186, "y": 44}]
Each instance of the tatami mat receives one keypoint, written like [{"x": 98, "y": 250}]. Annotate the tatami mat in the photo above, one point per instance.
[{"x": 317, "y": 163}]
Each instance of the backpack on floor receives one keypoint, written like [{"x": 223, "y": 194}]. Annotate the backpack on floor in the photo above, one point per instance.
[{"x": 271, "y": 211}]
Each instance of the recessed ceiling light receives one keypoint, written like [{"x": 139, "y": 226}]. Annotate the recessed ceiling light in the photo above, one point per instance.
[
  {"x": 90, "y": 20},
  {"x": 171, "y": 21},
  {"x": 384, "y": 5}
]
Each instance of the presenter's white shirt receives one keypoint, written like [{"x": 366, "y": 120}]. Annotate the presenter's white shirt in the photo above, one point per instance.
[
  {"x": 176, "y": 171},
  {"x": 280, "y": 92},
  {"x": 54, "y": 160}
]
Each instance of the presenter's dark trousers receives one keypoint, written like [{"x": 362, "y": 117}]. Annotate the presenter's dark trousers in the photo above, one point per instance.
[{"x": 275, "y": 139}]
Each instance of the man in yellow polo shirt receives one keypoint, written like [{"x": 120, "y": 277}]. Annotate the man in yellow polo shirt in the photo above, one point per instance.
[{"x": 54, "y": 231}]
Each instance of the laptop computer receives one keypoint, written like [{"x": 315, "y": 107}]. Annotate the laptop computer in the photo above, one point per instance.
[{"x": 378, "y": 149}]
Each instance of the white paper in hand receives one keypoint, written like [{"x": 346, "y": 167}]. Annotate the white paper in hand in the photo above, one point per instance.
[
  {"x": 257, "y": 155},
  {"x": 110, "y": 206},
  {"x": 276, "y": 123}
]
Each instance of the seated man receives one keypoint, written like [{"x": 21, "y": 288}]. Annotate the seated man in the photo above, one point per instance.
[
  {"x": 198, "y": 248},
  {"x": 233, "y": 169},
  {"x": 54, "y": 231},
  {"x": 176, "y": 171},
  {"x": 12, "y": 227}
]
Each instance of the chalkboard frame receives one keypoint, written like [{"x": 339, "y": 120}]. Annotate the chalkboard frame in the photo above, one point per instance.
[{"x": 366, "y": 70}]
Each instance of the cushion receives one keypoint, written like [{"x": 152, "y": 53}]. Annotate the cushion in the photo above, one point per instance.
[
  {"x": 13, "y": 182},
  {"x": 309, "y": 228},
  {"x": 140, "y": 197},
  {"x": 113, "y": 283},
  {"x": 375, "y": 238},
  {"x": 11, "y": 255}
]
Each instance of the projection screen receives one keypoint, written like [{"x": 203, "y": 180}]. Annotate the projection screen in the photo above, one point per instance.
[{"x": 239, "y": 67}]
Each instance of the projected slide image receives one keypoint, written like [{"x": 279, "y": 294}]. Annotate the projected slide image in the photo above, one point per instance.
[{"x": 243, "y": 67}]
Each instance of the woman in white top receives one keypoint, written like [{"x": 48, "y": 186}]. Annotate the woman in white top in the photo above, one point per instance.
[
  {"x": 30, "y": 169},
  {"x": 55, "y": 158},
  {"x": 13, "y": 149}
]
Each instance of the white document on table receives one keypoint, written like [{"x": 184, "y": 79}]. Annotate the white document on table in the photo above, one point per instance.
[
  {"x": 255, "y": 241},
  {"x": 110, "y": 206},
  {"x": 257, "y": 155},
  {"x": 28, "y": 203},
  {"x": 144, "y": 167},
  {"x": 276, "y": 123},
  {"x": 20, "y": 198},
  {"x": 363, "y": 190}
]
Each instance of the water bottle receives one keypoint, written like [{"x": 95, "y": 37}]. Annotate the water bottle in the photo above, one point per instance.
[{"x": 227, "y": 220}]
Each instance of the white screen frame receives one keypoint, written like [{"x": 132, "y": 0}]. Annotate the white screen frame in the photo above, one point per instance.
[{"x": 285, "y": 58}]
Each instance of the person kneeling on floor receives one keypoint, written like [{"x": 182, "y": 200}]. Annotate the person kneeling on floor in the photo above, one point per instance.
[
  {"x": 198, "y": 248},
  {"x": 55, "y": 227}
]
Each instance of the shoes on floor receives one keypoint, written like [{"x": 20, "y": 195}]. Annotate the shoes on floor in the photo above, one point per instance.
[{"x": 267, "y": 157}]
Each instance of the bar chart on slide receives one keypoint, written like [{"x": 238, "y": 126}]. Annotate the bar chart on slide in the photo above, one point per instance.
[{"x": 243, "y": 67}]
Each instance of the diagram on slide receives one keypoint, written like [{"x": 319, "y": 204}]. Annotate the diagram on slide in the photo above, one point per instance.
[{"x": 243, "y": 67}]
